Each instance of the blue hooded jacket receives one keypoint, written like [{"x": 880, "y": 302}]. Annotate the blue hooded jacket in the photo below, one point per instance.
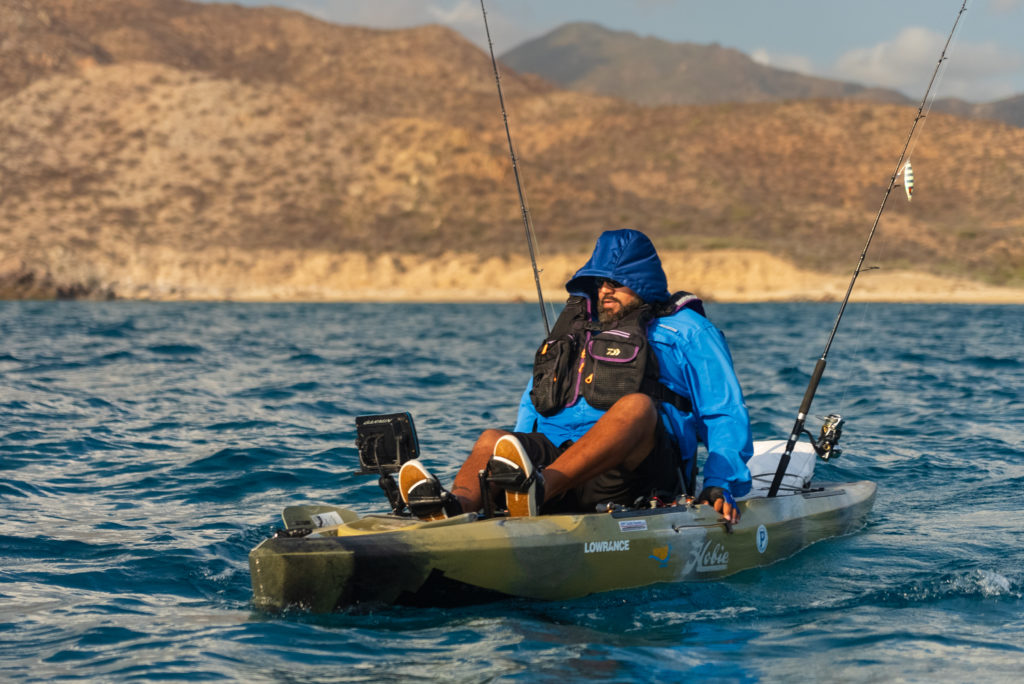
[
  {"x": 629, "y": 257},
  {"x": 693, "y": 360}
]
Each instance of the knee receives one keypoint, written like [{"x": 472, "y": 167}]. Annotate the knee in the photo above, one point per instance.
[
  {"x": 488, "y": 438},
  {"x": 637, "y": 406}
]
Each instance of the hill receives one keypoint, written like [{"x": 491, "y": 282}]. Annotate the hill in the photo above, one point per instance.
[
  {"x": 1009, "y": 110},
  {"x": 159, "y": 148},
  {"x": 650, "y": 71},
  {"x": 593, "y": 59},
  {"x": 361, "y": 69}
]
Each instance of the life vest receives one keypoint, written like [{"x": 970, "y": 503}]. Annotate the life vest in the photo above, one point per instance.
[{"x": 581, "y": 358}]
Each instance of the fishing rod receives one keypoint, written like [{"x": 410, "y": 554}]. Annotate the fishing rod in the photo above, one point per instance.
[
  {"x": 515, "y": 172},
  {"x": 834, "y": 422}
]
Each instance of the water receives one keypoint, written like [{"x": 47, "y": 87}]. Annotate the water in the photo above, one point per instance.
[{"x": 146, "y": 448}]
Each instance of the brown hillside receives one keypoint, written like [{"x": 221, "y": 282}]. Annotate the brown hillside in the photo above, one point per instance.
[
  {"x": 35, "y": 45},
  {"x": 649, "y": 71},
  {"x": 253, "y": 148},
  {"x": 428, "y": 72}
]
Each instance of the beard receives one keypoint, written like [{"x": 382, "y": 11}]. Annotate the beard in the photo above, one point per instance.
[{"x": 607, "y": 318}]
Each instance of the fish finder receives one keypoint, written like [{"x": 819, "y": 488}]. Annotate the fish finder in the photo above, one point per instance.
[{"x": 385, "y": 442}]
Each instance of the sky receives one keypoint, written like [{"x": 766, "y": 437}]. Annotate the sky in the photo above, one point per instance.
[{"x": 888, "y": 43}]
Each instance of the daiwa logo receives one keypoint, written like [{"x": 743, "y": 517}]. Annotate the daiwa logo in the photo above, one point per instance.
[
  {"x": 712, "y": 558},
  {"x": 605, "y": 546}
]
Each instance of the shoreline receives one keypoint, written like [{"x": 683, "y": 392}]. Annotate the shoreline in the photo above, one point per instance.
[{"x": 742, "y": 276}]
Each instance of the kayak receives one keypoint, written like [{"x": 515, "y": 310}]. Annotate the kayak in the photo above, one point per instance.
[{"x": 329, "y": 558}]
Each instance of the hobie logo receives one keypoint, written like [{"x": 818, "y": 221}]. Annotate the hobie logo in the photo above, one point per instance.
[
  {"x": 712, "y": 558},
  {"x": 605, "y": 546}
]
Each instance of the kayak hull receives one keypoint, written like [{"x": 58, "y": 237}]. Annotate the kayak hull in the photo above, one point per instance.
[{"x": 386, "y": 559}]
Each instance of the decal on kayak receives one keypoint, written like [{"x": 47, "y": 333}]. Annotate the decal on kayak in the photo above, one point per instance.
[
  {"x": 762, "y": 538},
  {"x": 712, "y": 557},
  {"x": 661, "y": 554},
  {"x": 329, "y": 519},
  {"x": 606, "y": 546},
  {"x": 632, "y": 525}
]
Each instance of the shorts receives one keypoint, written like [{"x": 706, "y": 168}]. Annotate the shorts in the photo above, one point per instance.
[{"x": 657, "y": 475}]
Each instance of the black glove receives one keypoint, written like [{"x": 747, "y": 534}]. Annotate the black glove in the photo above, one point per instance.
[{"x": 712, "y": 494}]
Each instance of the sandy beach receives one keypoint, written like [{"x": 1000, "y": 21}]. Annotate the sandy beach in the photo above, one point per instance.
[{"x": 160, "y": 273}]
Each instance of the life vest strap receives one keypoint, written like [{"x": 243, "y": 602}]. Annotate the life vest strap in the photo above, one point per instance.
[{"x": 660, "y": 392}]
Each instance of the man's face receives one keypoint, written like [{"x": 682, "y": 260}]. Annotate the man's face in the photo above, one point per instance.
[{"x": 615, "y": 301}]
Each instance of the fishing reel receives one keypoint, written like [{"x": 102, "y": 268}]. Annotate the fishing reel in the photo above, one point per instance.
[{"x": 825, "y": 444}]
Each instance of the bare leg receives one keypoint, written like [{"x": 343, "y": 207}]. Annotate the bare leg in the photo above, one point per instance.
[
  {"x": 623, "y": 436},
  {"x": 467, "y": 483}
]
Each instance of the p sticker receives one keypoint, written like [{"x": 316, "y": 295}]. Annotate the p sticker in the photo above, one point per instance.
[{"x": 762, "y": 538}]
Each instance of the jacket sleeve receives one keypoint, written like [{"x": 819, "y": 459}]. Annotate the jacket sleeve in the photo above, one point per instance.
[
  {"x": 719, "y": 411},
  {"x": 528, "y": 416}
]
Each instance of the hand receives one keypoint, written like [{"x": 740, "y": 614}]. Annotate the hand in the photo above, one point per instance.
[{"x": 721, "y": 500}]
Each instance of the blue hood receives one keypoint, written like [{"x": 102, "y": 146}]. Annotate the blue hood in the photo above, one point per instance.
[{"x": 629, "y": 257}]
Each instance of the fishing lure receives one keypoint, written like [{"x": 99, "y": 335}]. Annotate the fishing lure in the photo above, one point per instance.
[{"x": 908, "y": 179}]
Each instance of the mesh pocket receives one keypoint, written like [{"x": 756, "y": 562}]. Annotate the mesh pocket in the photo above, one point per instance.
[
  {"x": 551, "y": 367},
  {"x": 616, "y": 364}
]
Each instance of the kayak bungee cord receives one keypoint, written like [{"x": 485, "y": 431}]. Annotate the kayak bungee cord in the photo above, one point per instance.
[
  {"x": 515, "y": 170},
  {"x": 834, "y": 422}
]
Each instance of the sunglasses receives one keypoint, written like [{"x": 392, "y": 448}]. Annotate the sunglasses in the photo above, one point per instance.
[{"x": 609, "y": 283}]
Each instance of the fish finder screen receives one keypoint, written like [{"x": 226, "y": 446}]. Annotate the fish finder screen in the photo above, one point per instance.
[{"x": 385, "y": 442}]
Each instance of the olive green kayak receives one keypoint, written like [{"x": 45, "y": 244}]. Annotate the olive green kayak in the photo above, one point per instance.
[{"x": 330, "y": 558}]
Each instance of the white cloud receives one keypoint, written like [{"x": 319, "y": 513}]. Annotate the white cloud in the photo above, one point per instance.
[
  {"x": 1006, "y": 5},
  {"x": 797, "y": 63},
  {"x": 466, "y": 18},
  {"x": 462, "y": 12},
  {"x": 973, "y": 71},
  {"x": 390, "y": 14}
]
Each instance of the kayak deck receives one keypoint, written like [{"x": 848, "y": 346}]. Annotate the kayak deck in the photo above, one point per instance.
[{"x": 385, "y": 559}]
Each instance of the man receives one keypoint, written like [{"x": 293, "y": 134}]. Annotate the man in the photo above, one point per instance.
[{"x": 616, "y": 405}]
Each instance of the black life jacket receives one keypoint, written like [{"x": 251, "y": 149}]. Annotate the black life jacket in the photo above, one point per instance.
[{"x": 580, "y": 358}]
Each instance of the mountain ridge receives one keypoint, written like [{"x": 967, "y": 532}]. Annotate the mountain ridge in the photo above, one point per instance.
[{"x": 651, "y": 71}]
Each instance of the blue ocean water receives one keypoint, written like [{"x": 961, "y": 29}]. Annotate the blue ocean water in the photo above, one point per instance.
[{"x": 146, "y": 448}]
